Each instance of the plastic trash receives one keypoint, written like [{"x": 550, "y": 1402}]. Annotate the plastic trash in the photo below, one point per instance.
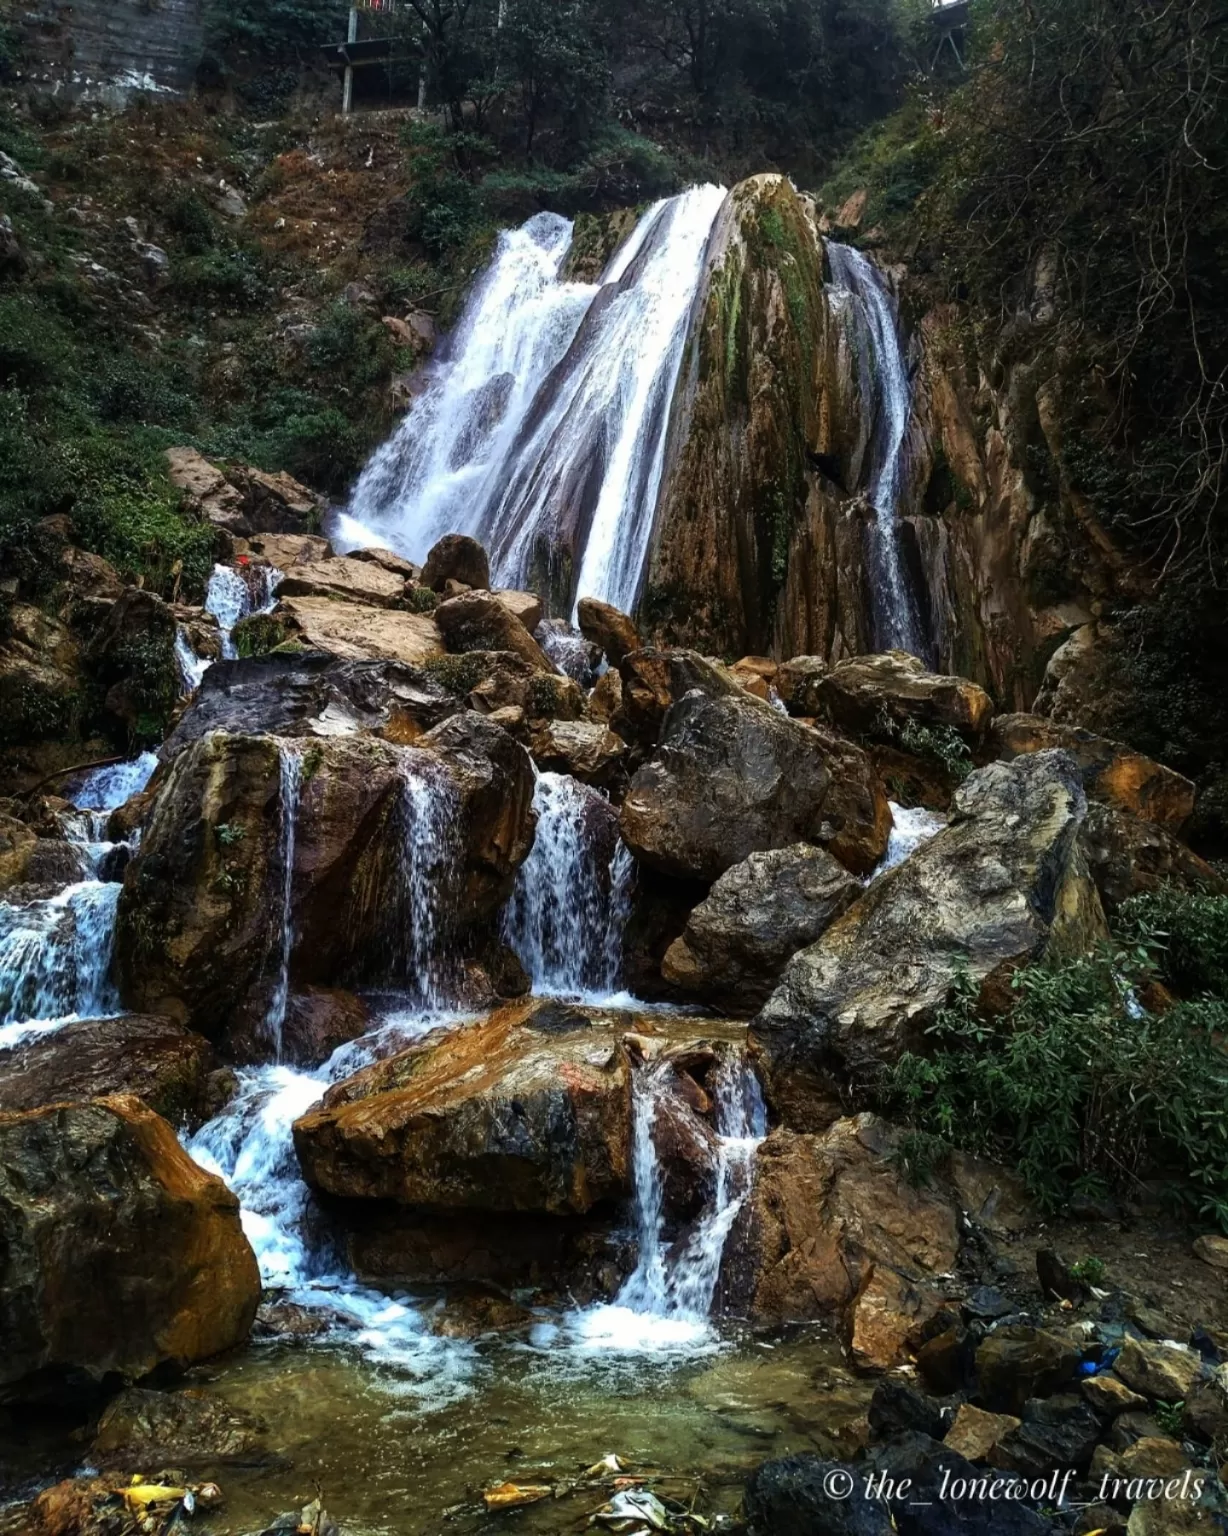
[
  {"x": 515, "y": 1495},
  {"x": 632, "y": 1510},
  {"x": 603, "y": 1468}
]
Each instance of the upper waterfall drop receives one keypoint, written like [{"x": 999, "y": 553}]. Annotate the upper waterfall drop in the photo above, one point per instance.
[
  {"x": 542, "y": 428},
  {"x": 885, "y": 388}
]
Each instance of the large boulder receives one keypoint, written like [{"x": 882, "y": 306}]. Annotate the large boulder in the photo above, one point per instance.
[
  {"x": 145, "y": 1428},
  {"x": 201, "y": 925},
  {"x": 754, "y": 919},
  {"x": 313, "y": 694},
  {"x": 355, "y": 581},
  {"x": 606, "y": 627},
  {"x": 360, "y": 632},
  {"x": 870, "y": 694},
  {"x": 132, "y": 657},
  {"x": 734, "y": 777},
  {"x": 496, "y": 1116},
  {"x": 456, "y": 557},
  {"x": 1112, "y": 773},
  {"x": 652, "y": 680},
  {"x": 478, "y": 621},
  {"x": 833, "y": 1231},
  {"x": 121, "y": 1255},
  {"x": 1128, "y": 855},
  {"x": 1004, "y": 884},
  {"x": 154, "y": 1059},
  {"x": 584, "y": 749},
  {"x": 241, "y": 500}
]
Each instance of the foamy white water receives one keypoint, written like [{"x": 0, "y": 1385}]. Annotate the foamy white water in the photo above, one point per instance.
[
  {"x": 55, "y": 959},
  {"x": 861, "y": 291},
  {"x": 571, "y": 901},
  {"x": 910, "y": 829},
  {"x": 544, "y": 426}
]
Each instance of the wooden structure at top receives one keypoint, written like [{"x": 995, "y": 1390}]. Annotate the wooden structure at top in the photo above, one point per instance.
[
  {"x": 353, "y": 54},
  {"x": 949, "y": 20}
]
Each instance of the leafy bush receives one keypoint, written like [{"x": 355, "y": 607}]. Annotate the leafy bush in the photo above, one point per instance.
[
  {"x": 1079, "y": 1087},
  {"x": 258, "y": 634},
  {"x": 1188, "y": 932},
  {"x": 228, "y": 278}
]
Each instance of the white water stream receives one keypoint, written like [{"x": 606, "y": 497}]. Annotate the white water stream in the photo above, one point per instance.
[
  {"x": 543, "y": 427},
  {"x": 860, "y": 290},
  {"x": 571, "y": 901}
]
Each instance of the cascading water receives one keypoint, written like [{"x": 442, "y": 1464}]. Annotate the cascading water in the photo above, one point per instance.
[
  {"x": 910, "y": 828},
  {"x": 544, "y": 427},
  {"x": 250, "y": 1146},
  {"x": 428, "y": 863},
  {"x": 567, "y": 913},
  {"x": 860, "y": 291},
  {"x": 106, "y": 789},
  {"x": 55, "y": 959},
  {"x": 231, "y": 595},
  {"x": 666, "y": 1302},
  {"x": 289, "y": 794}
]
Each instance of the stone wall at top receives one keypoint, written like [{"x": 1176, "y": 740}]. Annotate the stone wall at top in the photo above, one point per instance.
[{"x": 108, "y": 49}]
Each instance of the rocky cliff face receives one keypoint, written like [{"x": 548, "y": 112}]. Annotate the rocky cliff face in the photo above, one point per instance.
[
  {"x": 105, "y": 50},
  {"x": 761, "y": 537}
]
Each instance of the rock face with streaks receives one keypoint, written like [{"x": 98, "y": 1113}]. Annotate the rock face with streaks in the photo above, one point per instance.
[
  {"x": 732, "y": 777},
  {"x": 753, "y": 920},
  {"x": 833, "y": 1231},
  {"x": 99, "y": 1201},
  {"x": 1006, "y": 883},
  {"x": 201, "y": 926}
]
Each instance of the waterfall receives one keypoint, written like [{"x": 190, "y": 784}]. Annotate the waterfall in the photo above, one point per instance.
[
  {"x": 228, "y": 598},
  {"x": 231, "y": 595},
  {"x": 250, "y": 1146},
  {"x": 429, "y": 861},
  {"x": 910, "y": 828},
  {"x": 861, "y": 291},
  {"x": 542, "y": 431},
  {"x": 666, "y": 1301},
  {"x": 289, "y": 794},
  {"x": 105, "y": 789},
  {"x": 55, "y": 959},
  {"x": 569, "y": 907}
]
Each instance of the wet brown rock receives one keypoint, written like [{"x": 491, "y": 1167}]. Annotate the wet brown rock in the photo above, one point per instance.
[
  {"x": 1112, "y": 773},
  {"x": 1004, "y": 884},
  {"x": 495, "y": 1116},
  {"x": 312, "y": 694},
  {"x": 493, "y": 680},
  {"x": 754, "y": 919},
  {"x": 206, "y": 490},
  {"x": 525, "y": 607},
  {"x": 388, "y": 560},
  {"x": 359, "y": 632},
  {"x": 606, "y": 699},
  {"x": 99, "y": 1201},
  {"x": 284, "y": 551},
  {"x": 456, "y": 557},
  {"x": 1017, "y": 1362},
  {"x": 151, "y": 1058},
  {"x": 478, "y": 621},
  {"x": 1163, "y": 1371},
  {"x": 190, "y": 1429},
  {"x": 797, "y": 683},
  {"x": 833, "y": 1231},
  {"x": 1108, "y": 1394},
  {"x": 857, "y": 813},
  {"x": 587, "y": 750},
  {"x": 18, "y": 844},
  {"x": 862, "y": 693},
  {"x": 975, "y": 1433},
  {"x": 355, "y": 581},
  {"x": 318, "y": 1021},
  {"x": 1212, "y": 1249},
  {"x": 652, "y": 680},
  {"x": 132, "y": 655},
  {"x": 612, "y": 632},
  {"x": 41, "y": 679},
  {"x": 732, "y": 777},
  {"x": 90, "y": 575}
]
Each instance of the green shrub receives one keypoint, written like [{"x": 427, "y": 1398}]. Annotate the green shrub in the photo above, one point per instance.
[
  {"x": 1188, "y": 930},
  {"x": 258, "y": 634},
  {"x": 1079, "y": 1087},
  {"x": 228, "y": 278}
]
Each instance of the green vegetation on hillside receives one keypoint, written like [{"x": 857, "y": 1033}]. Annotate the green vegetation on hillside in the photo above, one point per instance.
[{"x": 1096, "y": 1081}]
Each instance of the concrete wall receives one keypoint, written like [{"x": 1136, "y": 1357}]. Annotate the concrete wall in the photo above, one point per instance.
[{"x": 107, "y": 49}]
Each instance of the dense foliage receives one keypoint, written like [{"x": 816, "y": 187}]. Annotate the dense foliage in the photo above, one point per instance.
[{"x": 1095, "y": 1081}]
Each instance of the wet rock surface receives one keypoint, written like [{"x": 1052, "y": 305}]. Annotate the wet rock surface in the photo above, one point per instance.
[
  {"x": 100, "y": 1201},
  {"x": 154, "y": 1059},
  {"x": 870, "y": 694},
  {"x": 1005, "y": 883},
  {"x": 754, "y": 919}
]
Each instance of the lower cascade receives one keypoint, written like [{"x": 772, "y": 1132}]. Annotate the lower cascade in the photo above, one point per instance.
[{"x": 571, "y": 900}]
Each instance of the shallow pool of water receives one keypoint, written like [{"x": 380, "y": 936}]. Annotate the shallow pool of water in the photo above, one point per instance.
[{"x": 389, "y": 1461}]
